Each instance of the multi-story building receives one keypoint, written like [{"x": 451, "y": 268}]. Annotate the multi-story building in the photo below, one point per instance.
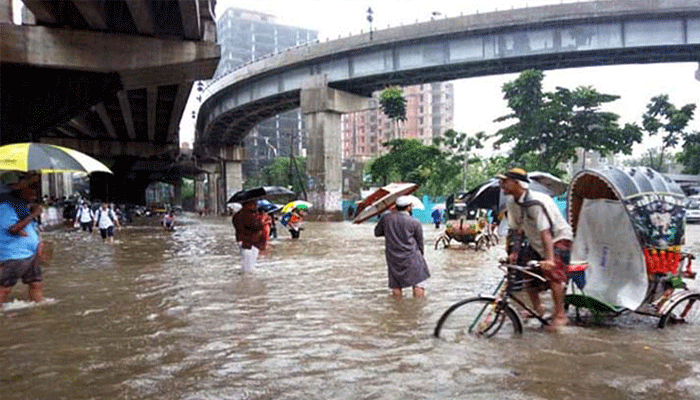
[
  {"x": 429, "y": 113},
  {"x": 246, "y": 36}
]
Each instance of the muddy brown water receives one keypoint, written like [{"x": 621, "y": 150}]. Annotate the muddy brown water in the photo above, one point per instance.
[{"x": 166, "y": 315}]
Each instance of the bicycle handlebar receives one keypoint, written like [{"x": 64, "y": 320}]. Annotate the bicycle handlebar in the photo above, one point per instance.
[{"x": 505, "y": 265}]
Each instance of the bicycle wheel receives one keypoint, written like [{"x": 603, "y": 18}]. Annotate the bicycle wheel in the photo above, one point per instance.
[
  {"x": 482, "y": 243},
  {"x": 478, "y": 317},
  {"x": 443, "y": 240},
  {"x": 684, "y": 311}
]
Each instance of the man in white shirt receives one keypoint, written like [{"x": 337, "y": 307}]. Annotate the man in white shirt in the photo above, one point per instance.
[
  {"x": 105, "y": 219},
  {"x": 534, "y": 216}
]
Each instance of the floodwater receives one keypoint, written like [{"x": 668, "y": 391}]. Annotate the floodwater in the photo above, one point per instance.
[{"x": 166, "y": 315}]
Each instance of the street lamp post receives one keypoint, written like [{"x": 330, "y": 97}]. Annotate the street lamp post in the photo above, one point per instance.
[{"x": 370, "y": 19}]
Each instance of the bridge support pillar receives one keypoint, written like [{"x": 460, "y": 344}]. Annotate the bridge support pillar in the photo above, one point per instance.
[
  {"x": 697, "y": 73},
  {"x": 177, "y": 193},
  {"x": 232, "y": 157},
  {"x": 322, "y": 107},
  {"x": 209, "y": 193}
]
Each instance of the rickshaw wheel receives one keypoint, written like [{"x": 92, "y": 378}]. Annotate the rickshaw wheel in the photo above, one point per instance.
[
  {"x": 444, "y": 239},
  {"x": 482, "y": 243},
  {"x": 685, "y": 310}
]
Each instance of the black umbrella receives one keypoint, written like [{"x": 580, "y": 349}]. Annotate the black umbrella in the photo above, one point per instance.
[
  {"x": 488, "y": 194},
  {"x": 245, "y": 196}
]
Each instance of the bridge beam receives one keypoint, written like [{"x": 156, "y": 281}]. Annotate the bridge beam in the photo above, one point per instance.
[
  {"x": 105, "y": 149},
  {"x": 322, "y": 107}
]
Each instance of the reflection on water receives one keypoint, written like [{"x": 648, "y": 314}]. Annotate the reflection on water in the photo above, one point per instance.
[{"x": 167, "y": 315}]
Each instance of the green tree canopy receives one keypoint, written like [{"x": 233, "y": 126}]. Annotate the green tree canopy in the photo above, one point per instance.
[
  {"x": 690, "y": 155},
  {"x": 552, "y": 126},
  {"x": 664, "y": 118},
  {"x": 392, "y": 103}
]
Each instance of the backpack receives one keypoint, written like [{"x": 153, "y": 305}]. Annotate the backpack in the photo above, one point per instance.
[
  {"x": 110, "y": 214},
  {"x": 285, "y": 218}
]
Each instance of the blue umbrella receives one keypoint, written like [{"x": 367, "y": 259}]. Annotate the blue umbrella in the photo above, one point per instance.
[{"x": 266, "y": 206}]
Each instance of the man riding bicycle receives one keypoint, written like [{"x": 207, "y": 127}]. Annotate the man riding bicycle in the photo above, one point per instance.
[{"x": 534, "y": 216}]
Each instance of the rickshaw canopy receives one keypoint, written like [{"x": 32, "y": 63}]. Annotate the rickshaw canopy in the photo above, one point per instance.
[{"x": 617, "y": 215}]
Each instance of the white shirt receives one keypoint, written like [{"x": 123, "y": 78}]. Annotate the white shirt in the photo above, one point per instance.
[
  {"x": 85, "y": 214},
  {"x": 533, "y": 220},
  {"x": 105, "y": 221}
]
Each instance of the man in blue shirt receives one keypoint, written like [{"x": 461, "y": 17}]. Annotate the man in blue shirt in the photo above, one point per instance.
[{"x": 19, "y": 236}]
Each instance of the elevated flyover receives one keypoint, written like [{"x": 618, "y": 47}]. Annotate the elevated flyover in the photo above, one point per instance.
[
  {"x": 548, "y": 37},
  {"x": 109, "y": 78}
]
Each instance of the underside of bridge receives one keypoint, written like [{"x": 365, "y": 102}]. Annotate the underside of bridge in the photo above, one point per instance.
[{"x": 109, "y": 78}]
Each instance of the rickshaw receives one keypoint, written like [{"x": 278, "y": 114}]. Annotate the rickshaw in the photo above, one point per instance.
[
  {"x": 477, "y": 232},
  {"x": 629, "y": 226},
  {"x": 634, "y": 260}
]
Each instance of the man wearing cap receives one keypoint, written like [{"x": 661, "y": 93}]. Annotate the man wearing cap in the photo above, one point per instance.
[
  {"x": 403, "y": 241},
  {"x": 19, "y": 236},
  {"x": 533, "y": 216}
]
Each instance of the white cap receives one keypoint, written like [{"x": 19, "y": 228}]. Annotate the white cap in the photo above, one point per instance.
[
  {"x": 403, "y": 201},
  {"x": 235, "y": 207}
]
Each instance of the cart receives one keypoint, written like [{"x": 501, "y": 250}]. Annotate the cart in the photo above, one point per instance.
[
  {"x": 627, "y": 255},
  {"x": 478, "y": 233}
]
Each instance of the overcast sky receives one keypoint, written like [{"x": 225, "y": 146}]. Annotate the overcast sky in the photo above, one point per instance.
[{"x": 478, "y": 101}]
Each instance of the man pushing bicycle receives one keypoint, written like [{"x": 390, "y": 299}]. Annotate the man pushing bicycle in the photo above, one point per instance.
[{"x": 538, "y": 231}]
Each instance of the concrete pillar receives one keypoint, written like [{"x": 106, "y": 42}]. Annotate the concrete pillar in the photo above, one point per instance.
[
  {"x": 234, "y": 177},
  {"x": 199, "y": 192},
  {"x": 232, "y": 159},
  {"x": 697, "y": 73},
  {"x": 5, "y": 11},
  {"x": 211, "y": 195},
  {"x": 177, "y": 193},
  {"x": 322, "y": 108}
]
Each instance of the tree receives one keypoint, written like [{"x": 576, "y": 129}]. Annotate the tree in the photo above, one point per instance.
[
  {"x": 663, "y": 117},
  {"x": 650, "y": 158},
  {"x": 408, "y": 160},
  {"x": 458, "y": 146},
  {"x": 689, "y": 157},
  {"x": 552, "y": 126},
  {"x": 277, "y": 174},
  {"x": 393, "y": 105}
]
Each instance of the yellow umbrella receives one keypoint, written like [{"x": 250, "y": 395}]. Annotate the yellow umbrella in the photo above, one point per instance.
[
  {"x": 300, "y": 204},
  {"x": 41, "y": 157}
]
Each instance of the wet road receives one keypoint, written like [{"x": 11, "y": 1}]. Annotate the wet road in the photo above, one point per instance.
[{"x": 166, "y": 315}]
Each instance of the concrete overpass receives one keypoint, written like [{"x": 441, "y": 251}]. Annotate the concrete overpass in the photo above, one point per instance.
[
  {"x": 109, "y": 78},
  {"x": 320, "y": 76}
]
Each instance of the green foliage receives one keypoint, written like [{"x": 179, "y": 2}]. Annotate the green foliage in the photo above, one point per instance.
[
  {"x": 392, "y": 103},
  {"x": 437, "y": 169},
  {"x": 689, "y": 157},
  {"x": 408, "y": 160},
  {"x": 278, "y": 174},
  {"x": 650, "y": 158},
  {"x": 553, "y": 125},
  {"x": 187, "y": 190},
  {"x": 663, "y": 117}
]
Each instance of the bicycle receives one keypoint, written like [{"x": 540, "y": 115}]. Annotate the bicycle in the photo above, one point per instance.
[{"x": 490, "y": 316}]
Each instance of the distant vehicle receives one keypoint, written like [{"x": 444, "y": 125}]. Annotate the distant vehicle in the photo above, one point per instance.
[{"x": 692, "y": 211}]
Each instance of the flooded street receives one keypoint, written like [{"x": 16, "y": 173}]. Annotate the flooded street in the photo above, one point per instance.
[{"x": 166, "y": 315}]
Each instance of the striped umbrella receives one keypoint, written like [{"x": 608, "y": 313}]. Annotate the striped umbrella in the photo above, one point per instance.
[{"x": 41, "y": 157}]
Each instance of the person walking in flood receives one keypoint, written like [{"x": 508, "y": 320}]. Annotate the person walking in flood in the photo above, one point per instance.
[
  {"x": 250, "y": 233},
  {"x": 105, "y": 220},
  {"x": 403, "y": 242},
  {"x": 20, "y": 243},
  {"x": 85, "y": 217}
]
